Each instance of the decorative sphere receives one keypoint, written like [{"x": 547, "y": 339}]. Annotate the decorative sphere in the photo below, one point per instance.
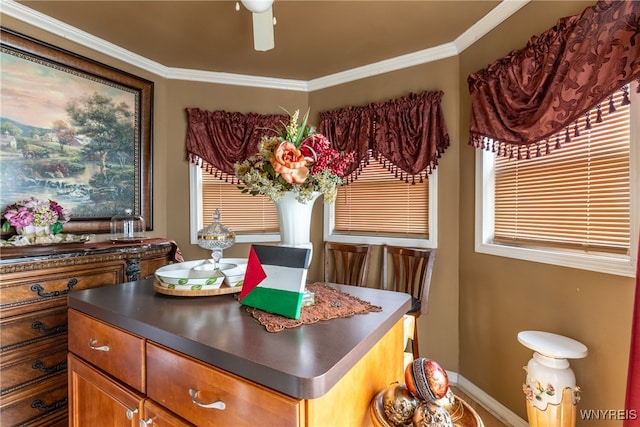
[
  {"x": 452, "y": 405},
  {"x": 426, "y": 379},
  {"x": 430, "y": 414},
  {"x": 398, "y": 404}
]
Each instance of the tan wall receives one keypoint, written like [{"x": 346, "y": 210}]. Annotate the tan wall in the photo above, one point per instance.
[
  {"x": 500, "y": 296},
  {"x": 478, "y": 303}
]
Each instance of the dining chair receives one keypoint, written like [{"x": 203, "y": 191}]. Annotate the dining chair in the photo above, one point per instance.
[
  {"x": 409, "y": 270},
  {"x": 347, "y": 264}
]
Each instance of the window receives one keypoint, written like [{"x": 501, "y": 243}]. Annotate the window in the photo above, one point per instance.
[
  {"x": 575, "y": 207},
  {"x": 252, "y": 218},
  {"x": 379, "y": 208}
]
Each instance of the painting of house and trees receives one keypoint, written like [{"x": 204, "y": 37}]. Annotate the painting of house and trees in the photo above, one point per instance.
[{"x": 70, "y": 136}]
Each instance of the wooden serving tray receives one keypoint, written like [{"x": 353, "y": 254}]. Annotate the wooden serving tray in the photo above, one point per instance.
[{"x": 222, "y": 290}]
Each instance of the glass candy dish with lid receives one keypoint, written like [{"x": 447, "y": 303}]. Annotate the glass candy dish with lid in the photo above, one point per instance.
[
  {"x": 127, "y": 227},
  {"x": 216, "y": 237}
]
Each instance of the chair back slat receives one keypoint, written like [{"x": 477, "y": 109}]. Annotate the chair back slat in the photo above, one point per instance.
[
  {"x": 408, "y": 270},
  {"x": 346, "y": 263}
]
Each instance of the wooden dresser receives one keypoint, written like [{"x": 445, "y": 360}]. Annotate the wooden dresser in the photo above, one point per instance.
[{"x": 34, "y": 285}]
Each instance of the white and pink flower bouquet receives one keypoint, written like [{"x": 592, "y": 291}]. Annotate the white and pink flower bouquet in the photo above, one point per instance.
[
  {"x": 34, "y": 212},
  {"x": 298, "y": 159}
]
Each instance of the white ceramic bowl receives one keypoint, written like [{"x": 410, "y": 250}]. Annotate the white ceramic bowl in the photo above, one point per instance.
[
  {"x": 194, "y": 275},
  {"x": 235, "y": 276}
]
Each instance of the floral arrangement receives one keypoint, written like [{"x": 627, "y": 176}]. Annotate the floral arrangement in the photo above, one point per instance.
[
  {"x": 35, "y": 212},
  {"x": 298, "y": 159}
]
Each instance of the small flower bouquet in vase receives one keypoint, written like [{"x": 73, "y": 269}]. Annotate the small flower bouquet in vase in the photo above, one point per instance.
[
  {"x": 293, "y": 168},
  {"x": 36, "y": 222},
  {"x": 297, "y": 160}
]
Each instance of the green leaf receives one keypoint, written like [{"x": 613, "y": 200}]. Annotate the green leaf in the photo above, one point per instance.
[
  {"x": 6, "y": 226},
  {"x": 301, "y": 130},
  {"x": 56, "y": 228}
]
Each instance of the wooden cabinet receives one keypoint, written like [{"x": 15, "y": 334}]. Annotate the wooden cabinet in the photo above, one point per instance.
[
  {"x": 178, "y": 387},
  {"x": 34, "y": 286},
  {"x": 98, "y": 400},
  {"x": 184, "y": 391}
]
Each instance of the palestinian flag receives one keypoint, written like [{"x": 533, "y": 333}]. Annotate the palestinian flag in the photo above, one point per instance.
[{"x": 275, "y": 279}]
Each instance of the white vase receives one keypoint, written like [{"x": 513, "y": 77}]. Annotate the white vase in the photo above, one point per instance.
[
  {"x": 34, "y": 229},
  {"x": 295, "y": 220}
]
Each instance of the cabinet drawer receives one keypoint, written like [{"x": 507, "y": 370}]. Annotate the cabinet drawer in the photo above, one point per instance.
[
  {"x": 148, "y": 267},
  {"x": 115, "y": 351},
  {"x": 185, "y": 385},
  {"x": 29, "y": 364},
  {"x": 24, "y": 292},
  {"x": 25, "y": 329},
  {"x": 32, "y": 405}
]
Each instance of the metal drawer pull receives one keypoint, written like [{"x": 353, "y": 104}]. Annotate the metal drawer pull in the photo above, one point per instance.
[
  {"x": 93, "y": 345},
  {"x": 213, "y": 405},
  {"x": 146, "y": 423},
  {"x": 131, "y": 413}
]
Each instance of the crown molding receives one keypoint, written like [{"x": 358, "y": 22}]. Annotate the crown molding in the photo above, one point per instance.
[
  {"x": 236, "y": 79},
  {"x": 498, "y": 14},
  {"x": 495, "y": 17},
  {"x": 386, "y": 66}
]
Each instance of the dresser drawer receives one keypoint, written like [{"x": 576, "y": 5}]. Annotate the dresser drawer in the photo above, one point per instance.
[
  {"x": 149, "y": 266},
  {"x": 26, "y": 365},
  {"x": 185, "y": 386},
  {"x": 29, "y": 291},
  {"x": 33, "y": 405},
  {"x": 115, "y": 351},
  {"x": 25, "y": 329}
]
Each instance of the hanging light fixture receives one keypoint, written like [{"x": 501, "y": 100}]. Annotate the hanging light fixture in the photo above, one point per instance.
[
  {"x": 257, "y": 6},
  {"x": 263, "y": 22}
]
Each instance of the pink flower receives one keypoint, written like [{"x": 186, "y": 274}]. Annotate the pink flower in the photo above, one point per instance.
[
  {"x": 289, "y": 162},
  {"x": 20, "y": 217},
  {"x": 32, "y": 211}
]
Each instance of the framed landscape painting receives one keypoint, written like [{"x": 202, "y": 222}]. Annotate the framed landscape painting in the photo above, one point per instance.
[{"x": 74, "y": 131}]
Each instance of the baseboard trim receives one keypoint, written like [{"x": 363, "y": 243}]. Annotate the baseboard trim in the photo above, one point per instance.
[{"x": 497, "y": 409}]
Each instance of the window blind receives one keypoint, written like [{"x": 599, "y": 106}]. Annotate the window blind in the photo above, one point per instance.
[
  {"x": 576, "y": 197},
  {"x": 243, "y": 213},
  {"x": 378, "y": 203}
]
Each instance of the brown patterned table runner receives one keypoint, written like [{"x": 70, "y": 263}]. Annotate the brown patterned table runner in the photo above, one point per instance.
[{"x": 330, "y": 303}]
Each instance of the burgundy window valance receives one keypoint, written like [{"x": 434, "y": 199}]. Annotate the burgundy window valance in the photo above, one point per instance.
[
  {"x": 408, "y": 134},
  {"x": 538, "y": 93},
  {"x": 223, "y": 138}
]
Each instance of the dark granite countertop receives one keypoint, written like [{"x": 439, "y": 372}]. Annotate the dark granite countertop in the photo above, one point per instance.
[{"x": 304, "y": 362}]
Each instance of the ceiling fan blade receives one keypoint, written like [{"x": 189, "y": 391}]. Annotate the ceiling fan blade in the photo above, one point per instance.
[{"x": 263, "y": 30}]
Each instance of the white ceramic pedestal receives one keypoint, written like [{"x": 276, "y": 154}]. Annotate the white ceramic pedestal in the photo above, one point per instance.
[{"x": 550, "y": 387}]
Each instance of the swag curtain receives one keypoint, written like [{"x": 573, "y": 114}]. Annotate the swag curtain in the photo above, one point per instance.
[
  {"x": 223, "y": 138},
  {"x": 538, "y": 92},
  {"x": 408, "y": 132}
]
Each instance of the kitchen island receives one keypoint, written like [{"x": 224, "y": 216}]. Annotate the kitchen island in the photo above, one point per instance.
[{"x": 206, "y": 361}]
